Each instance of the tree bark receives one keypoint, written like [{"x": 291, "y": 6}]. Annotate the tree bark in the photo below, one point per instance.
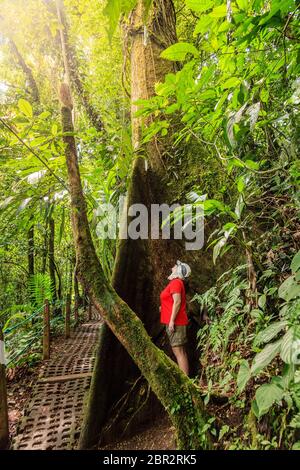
[
  {"x": 76, "y": 293},
  {"x": 72, "y": 68},
  {"x": 4, "y": 429},
  {"x": 30, "y": 235},
  {"x": 51, "y": 258},
  {"x": 34, "y": 91},
  {"x": 141, "y": 266},
  {"x": 179, "y": 396}
]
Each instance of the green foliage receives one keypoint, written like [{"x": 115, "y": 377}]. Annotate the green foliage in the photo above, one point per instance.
[
  {"x": 231, "y": 114},
  {"x": 25, "y": 107},
  {"x": 41, "y": 289},
  {"x": 179, "y": 51},
  {"x": 115, "y": 8}
]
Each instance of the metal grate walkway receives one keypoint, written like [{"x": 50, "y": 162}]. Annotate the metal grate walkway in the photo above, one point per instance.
[{"x": 52, "y": 418}]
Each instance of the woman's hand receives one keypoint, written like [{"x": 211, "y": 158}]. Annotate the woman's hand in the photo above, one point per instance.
[{"x": 171, "y": 326}]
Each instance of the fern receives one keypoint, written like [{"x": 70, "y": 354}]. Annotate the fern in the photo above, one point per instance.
[{"x": 40, "y": 288}]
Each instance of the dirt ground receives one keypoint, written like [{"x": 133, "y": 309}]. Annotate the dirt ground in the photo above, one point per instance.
[{"x": 154, "y": 437}]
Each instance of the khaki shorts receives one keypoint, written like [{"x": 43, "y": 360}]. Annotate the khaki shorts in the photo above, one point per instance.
[{"x": 178, "y": 337}]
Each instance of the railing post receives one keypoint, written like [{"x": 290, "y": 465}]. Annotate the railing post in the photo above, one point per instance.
[
  {"x": 68, "y": 317},
  {"x": 46, "y": 333},
  {"x": 90, "y": 310},
  {"x": 4, "y": 431},
  {"x": 76, "y": 309}
]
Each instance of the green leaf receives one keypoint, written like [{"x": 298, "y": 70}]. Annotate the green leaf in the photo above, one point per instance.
[
  {"x": 264, "y": 95},
  {"x": 25, "y": 107},
  {"x": 203, "y": 25},
  {"x": 240, "y": 204},
  {"x": 179, "y": 51},
  {"x": 262, "y": 301},
  {"x": 266, "y": 395},
  {"x": 252, "y": 165},
  {"x": 231, "y": 83},
  {"x": 269, "y": 333},
  {"x": 290, "y": 346},
  {"x": 224, "y": 430},
  {"x": 295, "y": 264},
  {"x": 295, "y": 423},
  {"x": 54, "y": 129},
  {"x": 219, "y": 12},
  {"x": 262, "y": 359},
  {"x": 240, "y": 184},
  {"x": 242, "y": 4},
  {"x": 289, "y": 289},
  {"x": 244, "y": 374},
  {"x": 199, "y": 5},
  {"x": 16, "y": 316},
  {"x": 288, "y": 375},
  {"x": 114, "y": 9}
]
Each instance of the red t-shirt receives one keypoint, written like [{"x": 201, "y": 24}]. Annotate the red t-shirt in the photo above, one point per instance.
[{"x": 175, "y": 286}]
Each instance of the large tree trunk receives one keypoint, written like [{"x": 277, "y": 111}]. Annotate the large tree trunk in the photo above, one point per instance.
[
  {"x": 179, "y": 396},
  {"x": 141, "y": 266}
]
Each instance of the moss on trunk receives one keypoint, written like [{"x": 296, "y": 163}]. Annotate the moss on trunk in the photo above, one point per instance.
[
  {"x": 142, "y": 266},
  {"x": 176, "y": 392}
]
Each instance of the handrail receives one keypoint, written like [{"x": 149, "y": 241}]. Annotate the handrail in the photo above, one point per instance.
[
  {"x": 24, "y": 349},
  {"x": 9, "y": 330}
]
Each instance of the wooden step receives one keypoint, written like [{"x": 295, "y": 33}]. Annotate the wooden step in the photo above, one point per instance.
[{"x": 64, "y": 378}]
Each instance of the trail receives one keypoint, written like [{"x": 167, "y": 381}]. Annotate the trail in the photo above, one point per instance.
[{"x": 53, "y": 414}]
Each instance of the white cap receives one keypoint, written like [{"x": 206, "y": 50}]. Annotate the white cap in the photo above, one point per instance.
[{"x": 183, "y": 269}]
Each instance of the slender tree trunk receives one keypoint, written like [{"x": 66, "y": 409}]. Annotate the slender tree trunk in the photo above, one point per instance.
[
  {"x": 179, "y": 396},
  {"x": 45, "y": 250},
  {"x": 34, "y": 91},
  {"x": 72, "y": 69},
  {"x": 76, "y": 294},
  {"x": 4, "y": 429},
  {"x": 51, "y": 258},
  {"x": 30, "y": 235}
]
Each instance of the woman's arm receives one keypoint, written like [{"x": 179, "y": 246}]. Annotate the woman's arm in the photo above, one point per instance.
[{"x": 175, "y": 310}]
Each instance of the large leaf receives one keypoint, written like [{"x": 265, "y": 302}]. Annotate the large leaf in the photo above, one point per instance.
[
  {"x": 295, "y": 264},
  {"x": 231, "y": 83},
  {"x": 266, "y": 395},
  {"x": 269, "y": 333},
  {"x": 242, "y": 4},
  {"x": 219, "y": 12},
  {"x": 203, "y": 25},
  {"x": 290, "y": 346},
  {"x": 199, "y": 5},
  {"x": 289, "y": 289},
  {"x": 25, "y": 107},
  {"x": 264, "y": 358},
  {"x": 222, "y": 242},
  {"x": 179, "y": 51},
  {"x": 243, "y": 376},
  {"x": 114, "y": 9}
]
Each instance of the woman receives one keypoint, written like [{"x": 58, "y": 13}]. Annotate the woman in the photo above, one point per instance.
[{"x": 173, "y": 313}]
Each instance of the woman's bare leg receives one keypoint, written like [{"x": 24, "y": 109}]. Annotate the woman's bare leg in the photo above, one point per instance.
[{"x": 182, "y": 358}]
